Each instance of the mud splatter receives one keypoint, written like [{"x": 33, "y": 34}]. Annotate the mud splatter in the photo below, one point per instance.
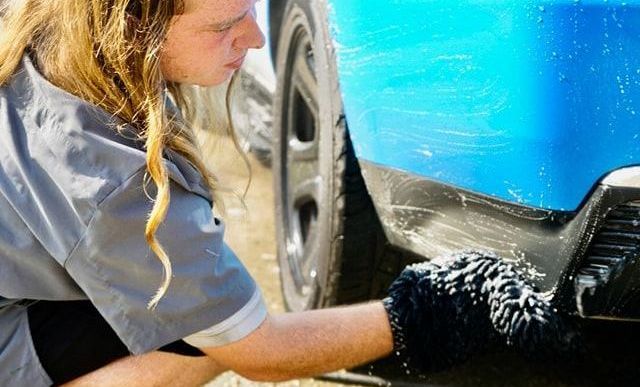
[{"x": 445, "y": 310}]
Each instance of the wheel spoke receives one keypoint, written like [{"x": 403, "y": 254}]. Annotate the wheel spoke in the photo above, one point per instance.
[
  {"x": 306, "y": 84},
  {"x": 304, "y": 78},
  {"x": 309, "y": 261},
  {"x": 304, "y": 247},
  {"x": 304, "y": 180}
]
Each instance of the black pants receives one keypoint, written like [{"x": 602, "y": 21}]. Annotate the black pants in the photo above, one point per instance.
[{"x": 72, "y": 339}]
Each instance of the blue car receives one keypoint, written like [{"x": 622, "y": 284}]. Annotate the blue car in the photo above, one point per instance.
[{"x": 405, "y": 130}]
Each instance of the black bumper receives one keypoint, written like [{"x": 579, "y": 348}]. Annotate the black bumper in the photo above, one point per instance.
[{"x": 586, "y": 261}]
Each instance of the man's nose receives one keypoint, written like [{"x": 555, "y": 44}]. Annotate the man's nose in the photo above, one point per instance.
[{"x": 250, "y": 36}]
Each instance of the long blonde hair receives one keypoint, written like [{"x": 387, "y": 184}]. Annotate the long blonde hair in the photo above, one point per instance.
[{"x": 113, "y": 47}]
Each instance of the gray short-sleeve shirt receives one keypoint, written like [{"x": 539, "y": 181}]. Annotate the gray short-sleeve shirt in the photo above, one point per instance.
[{"x": 72, "y": 218}]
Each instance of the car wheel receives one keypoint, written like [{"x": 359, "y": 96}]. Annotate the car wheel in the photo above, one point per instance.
[{"x": 328, "y": 235}]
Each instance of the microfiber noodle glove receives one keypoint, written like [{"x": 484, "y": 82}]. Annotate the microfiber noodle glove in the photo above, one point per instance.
[{"x": 443, "y": 311}]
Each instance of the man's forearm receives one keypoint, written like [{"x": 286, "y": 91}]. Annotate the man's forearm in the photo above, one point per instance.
[{"x": 296, "y": 345}]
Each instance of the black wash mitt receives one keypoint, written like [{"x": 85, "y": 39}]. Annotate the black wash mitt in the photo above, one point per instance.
[{"x": 443, "y": 311}]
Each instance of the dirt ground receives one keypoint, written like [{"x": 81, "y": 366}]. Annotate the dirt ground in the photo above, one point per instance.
[{"x": 250, "y": 233}]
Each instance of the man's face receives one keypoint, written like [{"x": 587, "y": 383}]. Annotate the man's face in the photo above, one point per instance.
[{"x": 207, "y": 43}]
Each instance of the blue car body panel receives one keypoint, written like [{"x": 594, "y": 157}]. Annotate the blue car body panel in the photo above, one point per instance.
[{"x": 529, "y": 101}]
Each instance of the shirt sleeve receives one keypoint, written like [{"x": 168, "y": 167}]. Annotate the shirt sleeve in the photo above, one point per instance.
[{"x": 210, "y": 288}]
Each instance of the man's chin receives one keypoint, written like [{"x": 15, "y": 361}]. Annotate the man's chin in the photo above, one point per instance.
[{"x": 219, "y": 80}]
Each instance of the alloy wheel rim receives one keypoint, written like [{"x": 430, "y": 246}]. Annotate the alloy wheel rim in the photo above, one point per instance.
[{"x": 302, "y": 178}]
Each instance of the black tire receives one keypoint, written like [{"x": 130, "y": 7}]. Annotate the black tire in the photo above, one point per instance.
[{"x": 328, "y": 234}]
